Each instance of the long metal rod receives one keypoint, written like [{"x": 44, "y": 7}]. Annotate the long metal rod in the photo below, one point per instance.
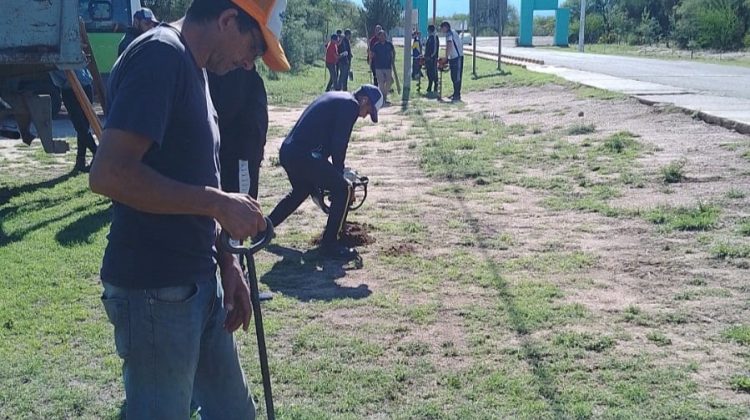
[{"x": 252, "y": 278}]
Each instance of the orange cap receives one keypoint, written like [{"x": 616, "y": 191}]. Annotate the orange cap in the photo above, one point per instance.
[{"x": 268, "y": 13}]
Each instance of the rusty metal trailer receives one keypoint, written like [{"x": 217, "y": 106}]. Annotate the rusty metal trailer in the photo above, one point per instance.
[{"x": 36, "y": 36}]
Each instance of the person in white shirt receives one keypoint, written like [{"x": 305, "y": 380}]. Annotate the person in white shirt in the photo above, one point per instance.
[{"x": 454, "y": 52}]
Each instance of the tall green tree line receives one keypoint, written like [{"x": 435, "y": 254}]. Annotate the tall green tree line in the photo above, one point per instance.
[{"x": 715, "y": 24}]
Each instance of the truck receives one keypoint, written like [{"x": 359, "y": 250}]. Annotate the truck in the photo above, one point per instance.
[
  {"x": 36, "y": 37},
  {"x": 106, "y": 22}
]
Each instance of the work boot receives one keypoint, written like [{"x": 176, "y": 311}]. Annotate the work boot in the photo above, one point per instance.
[
  {"x": 338, "y": 251},
  {"x": 80, "y": 165}
]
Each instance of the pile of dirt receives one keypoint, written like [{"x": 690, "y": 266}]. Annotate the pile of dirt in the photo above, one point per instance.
[
  {"x": 399, "y": 250},
  {"x": 353, "y": 235}
]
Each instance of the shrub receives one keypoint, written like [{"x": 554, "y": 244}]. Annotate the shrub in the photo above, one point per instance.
[
  {"x": 720, "y": 28},
  {"x": 673, "y": 172}
]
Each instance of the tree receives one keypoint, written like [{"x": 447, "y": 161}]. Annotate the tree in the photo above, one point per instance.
[
  {"x": 594, "y": 27},
  {"x": 718, "y": 24},
  {"x": 619, "y": 24},
  {"x": 168, "y": 10},
  {"x": 720, "y": 28},
  {"x": 648, "y": 30},
  {"x": 543, "y": 26},
  {"x": 386, "y": 13}
]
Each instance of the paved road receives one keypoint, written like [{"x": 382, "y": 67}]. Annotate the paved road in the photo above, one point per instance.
[{"x": 692, "y": 76}]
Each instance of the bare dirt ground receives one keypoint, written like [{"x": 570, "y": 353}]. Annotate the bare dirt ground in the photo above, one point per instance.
[{"x": 659, "y": 293}]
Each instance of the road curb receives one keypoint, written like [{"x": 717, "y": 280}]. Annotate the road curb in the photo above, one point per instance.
[
  {"x": 740, "y": 127},
  {"x": 503, "y": 59},
  {"x": 516, "y": 58}
]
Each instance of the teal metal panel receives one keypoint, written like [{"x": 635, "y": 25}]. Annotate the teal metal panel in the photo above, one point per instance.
[
  {"x": 526, "y": 30},
  {"x": 562, "y": 27},
  {"x": 422, "y": 19},
  {"x": 545, "y": 4}
]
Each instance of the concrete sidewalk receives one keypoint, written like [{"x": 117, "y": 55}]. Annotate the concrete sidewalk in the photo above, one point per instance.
[{"x": 729, "y": 112}]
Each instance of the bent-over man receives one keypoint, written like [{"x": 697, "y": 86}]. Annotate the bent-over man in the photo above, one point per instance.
[{"x": 323, "y": 132}]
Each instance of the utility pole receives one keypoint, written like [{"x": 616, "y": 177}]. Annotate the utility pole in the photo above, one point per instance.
[
  {"x": 473, "y": 11},
  {"x": 407, "y": 51},
  {"x": 434, "y": 12},
  {"x": 502, "y": 4},
  {"x": 582, "y": 23}
]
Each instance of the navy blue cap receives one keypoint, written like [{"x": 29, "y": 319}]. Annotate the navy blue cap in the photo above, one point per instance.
[
  {"x": 375, "y": 97},
  {"x": 145, "y": 14}
]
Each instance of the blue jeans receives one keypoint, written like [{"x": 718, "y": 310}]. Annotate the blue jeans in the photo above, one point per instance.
[
  {"x": 457, "y": 74},
  {"x": 175, "y": 350},
  {"x": 344, "y": 67}
]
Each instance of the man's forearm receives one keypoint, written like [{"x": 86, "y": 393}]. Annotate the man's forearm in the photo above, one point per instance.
[{"x": 139, "y": 186}]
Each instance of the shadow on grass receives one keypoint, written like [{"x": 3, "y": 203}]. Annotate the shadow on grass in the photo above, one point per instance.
[
  {"x": 8, "y": 212},
  {"x": 307, "y": 276},
  {"x": 487, "y": 76},
  {"x": 531, "y": 351},
  {"x": 82, "y": 229},
  {"x": 7, "y": 193}
]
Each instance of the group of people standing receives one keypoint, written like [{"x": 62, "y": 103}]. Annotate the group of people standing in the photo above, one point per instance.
[
  {"x": 339, "y": 60},
  {"x": 382, "y": 55},
  {"x": 454, "y": 55}
]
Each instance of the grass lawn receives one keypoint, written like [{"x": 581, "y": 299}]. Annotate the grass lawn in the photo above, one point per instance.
[{"x": 509, "y": 278}]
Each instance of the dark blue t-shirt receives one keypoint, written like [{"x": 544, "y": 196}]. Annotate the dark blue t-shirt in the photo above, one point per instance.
[
  {"x": 157, "y": 90},
  {"x": 325, "y": 128},
  {"x": 383, "y": 55}
]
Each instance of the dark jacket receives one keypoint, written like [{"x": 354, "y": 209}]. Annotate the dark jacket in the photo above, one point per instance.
[
  {"x": 128, "y": 38},
  {"x": 345, "y": 46},
  {"x": 242, "y": 106},
  {"x": 433, "y": 47}
]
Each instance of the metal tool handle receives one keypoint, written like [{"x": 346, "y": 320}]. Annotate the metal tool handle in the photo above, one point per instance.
[
  {"x": 260, "y": 335},
  {"x": 225, "y": 241},
  {"x": 361, "y": 182}
]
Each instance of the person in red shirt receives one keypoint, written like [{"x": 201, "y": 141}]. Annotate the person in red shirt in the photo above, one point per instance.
[
  {"x": 332, "y": 59},
  {"x": 373, "y": 40}
]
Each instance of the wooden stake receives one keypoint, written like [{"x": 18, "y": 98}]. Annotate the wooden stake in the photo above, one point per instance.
[{"x": 395, "y": 75}]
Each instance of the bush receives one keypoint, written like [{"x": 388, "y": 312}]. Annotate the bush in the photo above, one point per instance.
[
  {"x": 673, "y": 172},
  {"x": 719, "y": 28},
  {"x": 573, "y": 29},
  {"x": 594, "y": 27},
  {"x": 608, "y": 38},
  {"x": 649, "y": 29},
  {"x": 168, "y": 10},
  {"x": 302, "y": 46},
  {"x": 544, "y": 26},
  {"x": 633, "y": 39}
]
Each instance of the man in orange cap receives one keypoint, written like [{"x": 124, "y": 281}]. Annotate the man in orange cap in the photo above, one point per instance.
[{"x": 173, "y": 319}]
